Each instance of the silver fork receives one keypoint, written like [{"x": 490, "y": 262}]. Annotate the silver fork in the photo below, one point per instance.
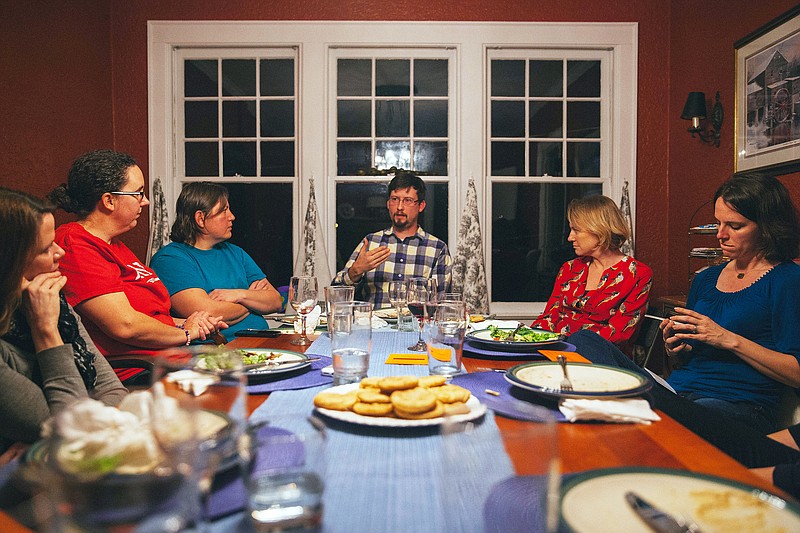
[{"x": 566, "y": 384}]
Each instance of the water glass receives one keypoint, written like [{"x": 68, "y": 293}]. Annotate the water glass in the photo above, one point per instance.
[
  {"x": 284, "y": 472},
  {"x": 351, "y": 340},
  {"x": 444, "y": 338},
  {"x": 397, "y": 297},
  {"x": 337, "y": 293}
]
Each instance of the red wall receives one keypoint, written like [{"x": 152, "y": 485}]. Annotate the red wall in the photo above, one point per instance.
[{"x": 100, "y": 47}]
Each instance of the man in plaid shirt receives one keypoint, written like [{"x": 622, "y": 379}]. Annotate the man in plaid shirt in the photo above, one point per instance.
[{"x": 398, "y": 253}]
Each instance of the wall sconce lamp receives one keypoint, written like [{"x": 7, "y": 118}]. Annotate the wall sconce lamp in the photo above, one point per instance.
[{"x": 695, "y": 110}]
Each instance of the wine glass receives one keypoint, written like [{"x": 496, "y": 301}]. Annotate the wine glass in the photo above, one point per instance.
[
  {"x": 398, "y": 293},
  {"x": 419, "y": 294},
  {"x": 303, "y": 292}
]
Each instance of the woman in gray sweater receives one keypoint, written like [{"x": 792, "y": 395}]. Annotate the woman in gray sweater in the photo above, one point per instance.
[{"x": 47, "y": 359}]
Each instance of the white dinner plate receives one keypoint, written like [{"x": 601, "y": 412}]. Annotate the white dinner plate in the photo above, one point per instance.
[
  {"x": 484, "y": 337},
  {"x": 588, "y": 380},
  {"x": 593, "y": 500},
  {"x": 476, "y": 410},
  {"x": 387, "y": 313},
  {"x": 265, "y": 370}
]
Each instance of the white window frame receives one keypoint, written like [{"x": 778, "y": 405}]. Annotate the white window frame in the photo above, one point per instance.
[{"x": 468, "y": 147}]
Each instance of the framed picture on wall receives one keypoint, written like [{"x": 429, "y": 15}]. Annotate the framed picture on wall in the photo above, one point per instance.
[{"x": 767, "y": 126}]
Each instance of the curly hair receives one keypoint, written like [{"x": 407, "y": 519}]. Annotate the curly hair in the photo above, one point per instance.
[
  {"x": 766, "y": 201},
  {"x": 601, "y": 217},
  {"x": 198, "y": 196},
  {"x": 91, "y": 175},
  {"x": 20, "y": 217}
]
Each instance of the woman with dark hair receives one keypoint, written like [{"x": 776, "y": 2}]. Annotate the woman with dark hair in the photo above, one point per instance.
[
  {"x": 738, "y": 341},
  {"x": 202, "y": 270},
  {"x": 47, "y": 359},
  {"x": 124, "y": 305},
  {"x": 602, "y": 290}
]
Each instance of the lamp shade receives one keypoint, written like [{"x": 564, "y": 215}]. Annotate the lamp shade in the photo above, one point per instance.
[{"x": 695, "y": 106}]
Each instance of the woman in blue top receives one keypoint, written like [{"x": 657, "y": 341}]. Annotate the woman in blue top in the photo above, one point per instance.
[
  {"x": 738, "y": 339},
  {"x": 202, "y": 270}
]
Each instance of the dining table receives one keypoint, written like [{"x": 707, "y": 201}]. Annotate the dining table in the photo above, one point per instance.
[{"x": 583, "y": 446}]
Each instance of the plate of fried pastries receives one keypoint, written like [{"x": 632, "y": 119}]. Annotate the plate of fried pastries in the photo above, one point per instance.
[{"x": 399, "y": 401}]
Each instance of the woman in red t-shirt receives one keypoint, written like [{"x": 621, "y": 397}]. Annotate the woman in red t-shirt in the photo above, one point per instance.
[
  {"x": 602, "y": 289},
  {"x": 123, "y": 303}
]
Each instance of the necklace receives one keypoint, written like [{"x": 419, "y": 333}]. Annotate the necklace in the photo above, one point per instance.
[{"x": 740, "y": 275}]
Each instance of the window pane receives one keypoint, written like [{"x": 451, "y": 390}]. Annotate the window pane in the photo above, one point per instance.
[
  {"x": 430, "y": 77},
  {"x": 265, "y": 234},
  {"x": 546, "y": 78},
  {"x": 546, "y": 119},
  {"x": 200, "y": 119},
  {"x": 583, "y": 159},
  {"x": 508, "y": 77},
  {"x": 508, "y": 159},
  {"x": 238, "y": 77},
  {"x": 239, "y": 158},
  {"x": 355, "y": 118},
  {"x": 583, "y": 120},
  {"x": 390, "y": 154},
  {"x": 277, "y": 118},
  {"x": 201, "y": 159},
  {"x": 361, "y": 209},
  {"x": 545, "y": 158},
  {"x": 529, "y": 237},
  {"x": 392, "y": 77},
  {"x": 431, "y": 158},
  {"x": 277, "y": 158},
  {"x": 354, "y": 77},
  {"x": 353, "y": 158},
  {"x": 239, "y": 119},
  {"x": 200, "y": 77},
  {"x": 277, "y": 77},
  {"x": 392, "y": 118},
  {"x": 508, "y": 119},
  {"x": 430, "y": 118},
  {"x": 583, "y": 78}
]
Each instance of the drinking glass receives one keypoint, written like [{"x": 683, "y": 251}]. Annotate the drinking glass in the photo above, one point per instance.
[
  {"x": 419, "y": 294},
  {"x": 398, "y": 293},
  {"x": 199, "y": 412},
  {"x": 284, "y": 471},
  {"x": 303, "y": 293},
  {"x": 444, "y": 338},
  {"x": 337, "y": 293},
  {"x": 351, "y": 341}
]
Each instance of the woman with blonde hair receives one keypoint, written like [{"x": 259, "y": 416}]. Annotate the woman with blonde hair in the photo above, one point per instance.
[
  {"x": 47, "y": 359},
  {"x": 602, "y": 290}
]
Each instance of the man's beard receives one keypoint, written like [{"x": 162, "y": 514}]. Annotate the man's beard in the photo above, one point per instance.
[{"x": 401, "y": 222}]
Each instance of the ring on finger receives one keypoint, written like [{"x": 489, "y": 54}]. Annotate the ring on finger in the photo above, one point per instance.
[{"x": 695, "y": 329}]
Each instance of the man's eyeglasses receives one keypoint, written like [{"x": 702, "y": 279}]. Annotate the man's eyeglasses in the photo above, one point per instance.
[
  {"x": 407, "y": 202},
  {"x": 138, "y": 194}
]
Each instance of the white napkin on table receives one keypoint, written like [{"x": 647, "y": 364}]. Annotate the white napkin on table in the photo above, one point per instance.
[
  {"x": 194, "y": 383},
  {"x": 312, "y": 321},
  {"x": 631, "y": 410},
  {"x": 378, "y": 322}
]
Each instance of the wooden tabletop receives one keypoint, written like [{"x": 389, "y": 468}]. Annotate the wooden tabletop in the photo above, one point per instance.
[{"x": 586, "y": 446}]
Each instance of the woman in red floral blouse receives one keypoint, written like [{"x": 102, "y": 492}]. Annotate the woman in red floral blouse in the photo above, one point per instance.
[{"x": 602, "y": 289}]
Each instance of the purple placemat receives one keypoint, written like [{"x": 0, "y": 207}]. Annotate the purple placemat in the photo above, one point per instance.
[
  {"x": 476, "y": 350},
  {"x": 228, "y": 492},
  {"x": 511, "y": 505},
  {"x": 302, "y": 379},
  {"x": 512, "y": 400}
]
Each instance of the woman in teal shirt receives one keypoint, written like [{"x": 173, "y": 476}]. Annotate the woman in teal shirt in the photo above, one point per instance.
[{"x": 202, "y": 270}]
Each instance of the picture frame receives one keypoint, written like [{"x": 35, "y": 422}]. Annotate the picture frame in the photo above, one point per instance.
[{"x": 767, "y": 114}]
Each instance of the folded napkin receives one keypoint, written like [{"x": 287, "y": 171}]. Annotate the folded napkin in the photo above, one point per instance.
[
  {"x": 631, "y": 410},
  {"x": 192, "y": 382},
  {"x": 378, "y": 322},
  {"x": 312, "y": 376},
  {"x": 312, "y": 321}
]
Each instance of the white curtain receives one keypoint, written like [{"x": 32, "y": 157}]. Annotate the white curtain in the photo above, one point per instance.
[
  {"x": 159, "y": 221},
  {"x": 469, "y": 271},
  {"x": 312, "y": 259},
  {"x": 625, "y": 207}
]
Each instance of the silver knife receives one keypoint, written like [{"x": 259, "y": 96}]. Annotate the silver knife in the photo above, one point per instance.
[{"x": 657, "y": 519}]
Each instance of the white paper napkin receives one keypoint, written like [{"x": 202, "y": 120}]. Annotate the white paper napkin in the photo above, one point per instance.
[
  {"x": 312, "y": 321},
  {"x": 378, "y": 322},
  {"x": 192, "y": 382},
  {"x": 630, "y": 410}
]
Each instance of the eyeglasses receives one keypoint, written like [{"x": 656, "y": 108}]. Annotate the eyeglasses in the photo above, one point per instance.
[
  {"x": 407, "y": 202},
  {"x": 138, "y": 194}
]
